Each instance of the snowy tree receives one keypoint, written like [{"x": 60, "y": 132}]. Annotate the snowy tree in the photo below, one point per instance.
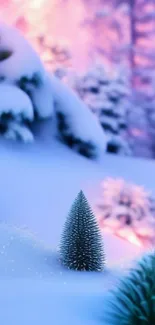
[
  {"x": 133, "y": 301},
  {"x": 21, "y": 67},
  {"x": 148, "y": 107},
  {"x": 81, "y": 243},
  {"x": 141, "y": 50},
  {"x": 123, "y": 31},
  {"x": 127, "y": 210},
  {"x": 108, "y": 97},
  {"x": 141, "y": 121},
  {"x": 108, "y": 25}
]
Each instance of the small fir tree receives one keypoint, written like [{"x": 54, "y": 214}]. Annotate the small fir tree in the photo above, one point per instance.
[
  {"x": 134, "y": 300},
  {"x": 81, "y": 243}
]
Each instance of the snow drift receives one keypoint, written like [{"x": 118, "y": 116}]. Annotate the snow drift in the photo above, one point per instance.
[{"x": 21, "y": 255}]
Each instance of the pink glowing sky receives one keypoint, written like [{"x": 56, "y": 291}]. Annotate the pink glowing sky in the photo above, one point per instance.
[{"x": 61, "y": 22}]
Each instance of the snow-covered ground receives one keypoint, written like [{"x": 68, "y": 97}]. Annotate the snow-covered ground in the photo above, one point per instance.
[{"x": 38, "y": 184}]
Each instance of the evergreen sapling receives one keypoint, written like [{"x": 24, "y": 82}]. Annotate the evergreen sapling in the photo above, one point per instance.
[
  {"x": 134, "y": 300},
  {"x": 81, "y": 245}
]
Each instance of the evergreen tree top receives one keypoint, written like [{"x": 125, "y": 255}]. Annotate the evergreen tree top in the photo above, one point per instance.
[{"x": 81, "y": 210}]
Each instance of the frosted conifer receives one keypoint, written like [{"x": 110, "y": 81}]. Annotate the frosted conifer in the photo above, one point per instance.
[
  {"x": 81, "y": 243},
  {"x": 134, "y": 301}
]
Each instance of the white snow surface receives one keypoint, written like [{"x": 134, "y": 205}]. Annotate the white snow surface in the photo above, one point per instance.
[
  {"x": 38, "y": 186},
  {"x": 21, "y": 255}
]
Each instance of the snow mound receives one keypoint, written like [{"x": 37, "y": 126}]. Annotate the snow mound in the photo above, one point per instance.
[{"x": 21, "y": 255}]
